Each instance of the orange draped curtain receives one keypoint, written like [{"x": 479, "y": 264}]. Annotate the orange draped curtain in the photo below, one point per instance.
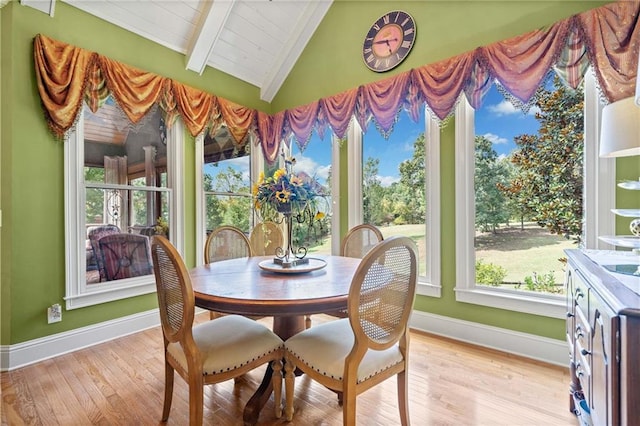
[{"x": 607, "y": 38}]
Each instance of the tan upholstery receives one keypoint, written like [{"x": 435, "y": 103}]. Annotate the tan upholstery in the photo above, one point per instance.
[
  {"x": 354, "y": 354},
  {"x": 226, "y": 242},
  {"x": 211, "y": 352},
  {"x": 265, "y": 238}
]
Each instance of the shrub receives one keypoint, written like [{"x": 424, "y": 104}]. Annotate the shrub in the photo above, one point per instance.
[
  {"x": 489, "y": 274},
  {"x": 542, "y": 282}
]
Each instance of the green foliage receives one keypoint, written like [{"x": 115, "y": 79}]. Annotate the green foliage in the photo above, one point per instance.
[
  {"x": 490, "y": 172},
  {"x": 542, "y": 282},
  {"x": 489, "y": 274},
  {"x": 548, "y": 180},
  {"x": 94, "y": 197}
]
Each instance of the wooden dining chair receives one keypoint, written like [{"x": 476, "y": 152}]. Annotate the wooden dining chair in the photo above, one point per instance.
[
  {"x": 353, "y": 354},
  {"x": 357, "y": 243},
  {"x": 359, "y": 240},
  {"x": 210, "y": 352},
  {"x": 265, "y": 238},
  {"x": 224, "y": 243}
]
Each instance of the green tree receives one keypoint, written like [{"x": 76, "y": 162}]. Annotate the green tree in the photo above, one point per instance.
[
  {"x": 548, "y": 181},
  {"x": 411, "y": 204},
  {"x": 94, "y": 197},
  {"x": 491, "y": 207},
  {"x": 372, "y": 192}
]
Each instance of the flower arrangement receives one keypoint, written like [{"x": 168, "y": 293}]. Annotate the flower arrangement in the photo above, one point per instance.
[
  {"x": 294, "y": 196},
  {"x": 287, "y": 193}
]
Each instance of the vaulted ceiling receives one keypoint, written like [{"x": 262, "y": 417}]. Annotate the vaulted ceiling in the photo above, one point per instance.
[{"x": 257, "y": 41}]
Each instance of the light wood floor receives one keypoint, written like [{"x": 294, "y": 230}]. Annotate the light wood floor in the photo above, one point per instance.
[{"x": 121, "y": 383}]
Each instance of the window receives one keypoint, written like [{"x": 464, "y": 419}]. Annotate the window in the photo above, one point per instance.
[
  {"x": 396, "y": 187},
  {"x": 490, "y": 225},
  {"x": 224, "y": 189},
  {"x": 314, "y": 163},
  {"x": 119, "y": 192}
]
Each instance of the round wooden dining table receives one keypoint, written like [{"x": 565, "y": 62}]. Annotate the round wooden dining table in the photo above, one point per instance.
[{"x": 255, "y": 286}]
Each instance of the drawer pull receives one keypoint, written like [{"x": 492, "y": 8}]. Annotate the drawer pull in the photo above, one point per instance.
[
  {"x": 570, "y": 315},
  {"x": 579, "y": 294},
  {"x": 585, "y": 352}
]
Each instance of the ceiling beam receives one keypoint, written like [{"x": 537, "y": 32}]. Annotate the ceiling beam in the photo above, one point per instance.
[
  {"x": 208, "y": 33},
  {"x": 291, "y": 51},
  {"x": 46, "y": 6}
]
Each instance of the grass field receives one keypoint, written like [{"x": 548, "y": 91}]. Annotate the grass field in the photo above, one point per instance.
[{"x": 520, "y": 251}]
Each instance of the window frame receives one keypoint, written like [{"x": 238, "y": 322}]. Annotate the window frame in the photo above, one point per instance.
[
  {"x": 77, "y": 293},
  {"x": 599, "y": 179},
  {"x": 429, "y": 284}
]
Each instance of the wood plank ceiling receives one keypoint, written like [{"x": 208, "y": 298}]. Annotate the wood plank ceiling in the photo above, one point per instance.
[{"x": 257, "y": 41}]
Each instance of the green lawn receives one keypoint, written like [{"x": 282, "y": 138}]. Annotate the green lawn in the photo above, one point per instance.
[{"x": 520, "y": 251}]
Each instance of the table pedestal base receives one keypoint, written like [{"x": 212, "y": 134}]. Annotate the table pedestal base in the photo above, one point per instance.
[{"x": 284, "y": 327}]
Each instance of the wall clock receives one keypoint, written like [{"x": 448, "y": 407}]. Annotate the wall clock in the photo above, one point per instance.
[{"x": 389, "y": 41}]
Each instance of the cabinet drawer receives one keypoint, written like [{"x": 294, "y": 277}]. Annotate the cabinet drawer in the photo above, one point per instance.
[{"x": 582, "y": 352}]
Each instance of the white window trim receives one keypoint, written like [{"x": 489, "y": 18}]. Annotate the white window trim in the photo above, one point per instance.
[
  {"x": 430, "y": 284},
  {"x": 335, "y": 195},
  {"x": 77, "y": 293},
  {"x": 599, "y": 181}
]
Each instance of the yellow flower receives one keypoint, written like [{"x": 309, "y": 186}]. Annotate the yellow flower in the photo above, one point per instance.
[
  {"x": 258, "y": 205},
  {"x": 278, "y": 174},
  {"x": 283, "y": 196},
  {"x": 319, "y": 216},
  {"x": 260, "y": 178},
  {"x": 295, "y": 180},
  {"x": 254, "y": 190}
]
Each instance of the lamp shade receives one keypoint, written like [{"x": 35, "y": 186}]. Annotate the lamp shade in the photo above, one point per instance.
[{"x": 620, "y": 129}]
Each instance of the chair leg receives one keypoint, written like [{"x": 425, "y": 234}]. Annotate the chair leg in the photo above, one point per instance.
[
  {"x": 289, "y": 381},
  {"x": 196, "y": 401},
  {"x": 213, "y": 315},
  {"x": 349, "y": 407},
  {"x": 168, "y": 391},
  {"x": 403, "y": 402},
  {"x": 307, "y": 322},
  {"x": 276, "y": 380}
]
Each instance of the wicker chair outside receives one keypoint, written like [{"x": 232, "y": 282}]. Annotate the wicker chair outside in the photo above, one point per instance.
[
  {"x": 211, "y": 352},
  {"x": 353, "y": 354},
  {"x": 94, "y": 234},
  {"x": 265, "y": 238},
  {"x": 125, "y": 256}
]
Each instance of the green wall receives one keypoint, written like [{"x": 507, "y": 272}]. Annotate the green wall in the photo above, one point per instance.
[{"x": 32, "y": 236}]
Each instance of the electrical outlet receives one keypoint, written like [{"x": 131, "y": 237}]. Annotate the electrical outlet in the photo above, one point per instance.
[{"x": 54, "y": 313}]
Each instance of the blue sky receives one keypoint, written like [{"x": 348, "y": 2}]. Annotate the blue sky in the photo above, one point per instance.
[{"x": 497, "y": 120}]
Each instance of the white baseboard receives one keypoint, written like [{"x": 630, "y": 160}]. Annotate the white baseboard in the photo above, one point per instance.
[
  {"x": 528, "y": 345},
  {"x": 22, "y": 354}
]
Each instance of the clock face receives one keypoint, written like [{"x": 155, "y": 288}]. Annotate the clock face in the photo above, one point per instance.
[{"x": 389, "y": 41}]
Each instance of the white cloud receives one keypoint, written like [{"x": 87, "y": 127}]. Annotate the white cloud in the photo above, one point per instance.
[
  {"x": 506, "y": 108},
  {"x": 495, "y": 139},
  {"x": 310, "y": 167},
  {"x": 386, "y": 181}
]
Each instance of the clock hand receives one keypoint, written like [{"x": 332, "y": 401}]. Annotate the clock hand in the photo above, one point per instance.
[{"x": 387, "y": 40}]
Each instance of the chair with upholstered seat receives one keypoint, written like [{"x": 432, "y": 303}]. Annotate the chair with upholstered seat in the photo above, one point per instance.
[
  {"x": 125, "y": 256},
  {"x": 210, "y": 352},
  {"x": 353, "y": 354},
  {"x": 224, "y": 243},
  {"x": 359, "y": 240},
  {"x": 357, "y": 243},
  {"x": 265, "y": 238}
]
